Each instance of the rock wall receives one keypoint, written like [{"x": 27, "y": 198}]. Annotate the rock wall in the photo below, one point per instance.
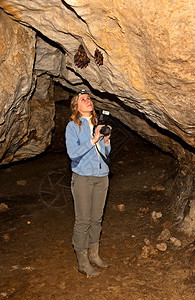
[
  {"x": 24, "y": 98},
  {"x": 41, "y": 121},
  {"x": 17, "y": 53}
]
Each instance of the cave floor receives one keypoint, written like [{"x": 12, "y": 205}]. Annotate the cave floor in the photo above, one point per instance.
[{"x": 37, "y": 260}]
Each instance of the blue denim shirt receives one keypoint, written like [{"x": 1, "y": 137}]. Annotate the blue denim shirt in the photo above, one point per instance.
[{"x": 85, "y": 159}]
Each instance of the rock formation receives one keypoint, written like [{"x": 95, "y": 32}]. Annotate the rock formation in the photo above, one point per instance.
[{"x": 135, "y": 58}]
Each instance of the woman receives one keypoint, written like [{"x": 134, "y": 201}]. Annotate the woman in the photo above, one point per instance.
[{"x": 89, "y": 181}]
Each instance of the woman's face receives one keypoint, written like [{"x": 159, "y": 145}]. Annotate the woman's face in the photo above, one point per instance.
[{"x": 85, "y": 105}]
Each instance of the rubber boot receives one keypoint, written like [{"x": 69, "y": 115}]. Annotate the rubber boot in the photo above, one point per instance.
[
  {"x": 84, "y": 265},
  {"x": 94, "y": 256}
]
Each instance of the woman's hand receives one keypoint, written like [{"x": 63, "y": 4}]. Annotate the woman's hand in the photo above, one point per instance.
[
  {"x": 107, "y": 138},
  {"x": 97, "y": 134}
]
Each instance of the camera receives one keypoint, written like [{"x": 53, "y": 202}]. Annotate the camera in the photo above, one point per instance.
[{"x": 105, "y": 130}]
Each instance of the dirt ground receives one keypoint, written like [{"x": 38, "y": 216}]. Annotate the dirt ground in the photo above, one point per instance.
[{"x": 37, "y": 260}]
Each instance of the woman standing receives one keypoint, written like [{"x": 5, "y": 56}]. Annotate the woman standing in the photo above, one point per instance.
[{"x": 89, "y": 181}]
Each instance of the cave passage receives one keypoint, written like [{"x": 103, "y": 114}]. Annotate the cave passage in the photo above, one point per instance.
[
  {"x": 130, "y": 63},
  {"x": 142, "y": 247}
]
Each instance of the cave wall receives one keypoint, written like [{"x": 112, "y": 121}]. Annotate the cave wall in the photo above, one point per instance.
[
  {"x": 17, "y": 52},
  {"x": 41, "y": 120},
  {"x": 24, "y": 95}
]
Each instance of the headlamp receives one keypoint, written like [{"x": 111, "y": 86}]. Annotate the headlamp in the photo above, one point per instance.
[{"x": 82, "y": 92}]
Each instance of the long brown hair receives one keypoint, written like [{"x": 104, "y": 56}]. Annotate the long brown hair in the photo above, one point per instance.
[{"x": 76, "y": 114}]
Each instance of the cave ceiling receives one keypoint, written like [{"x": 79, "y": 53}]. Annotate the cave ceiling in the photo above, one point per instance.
[{"x": 135, "y": 58}]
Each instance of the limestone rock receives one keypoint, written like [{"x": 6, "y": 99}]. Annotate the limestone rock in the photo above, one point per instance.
[
  {"x": 3, "y": 207},
  {"x": 145, "y": 251},
  {"x": 155, "y": 216},
  {"x": 189, "y": 222},
  {"x": 49, "y": 58},
  {"x": 121, "y": 207},
  {"x": 176, "y": 242},
  {"x": 162, "y": 246},
  {"x": 151, "y": 68},
  {"x": 165, "y": 235},
  {"x": 41, "y": 121},
  {"x": 17, "y": 53}
]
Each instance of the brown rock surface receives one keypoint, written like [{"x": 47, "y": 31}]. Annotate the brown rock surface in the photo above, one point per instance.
[
  {"x": 17, "y": 53},
  {"x": 148, "y": 51},
  {"x": 41, "y": 121}
]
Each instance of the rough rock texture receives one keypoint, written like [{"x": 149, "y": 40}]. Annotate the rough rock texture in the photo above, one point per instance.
[
  {"x": 17, "y": 53},
  {"x": 147, "y": 78},
  {"x": 188, "y": 225},
  {"x": 49, "y": 59},
  {"x": 41, "y": 121},
  {"x": 148, "y": 51},
  {"x": 23, "y": 131}
]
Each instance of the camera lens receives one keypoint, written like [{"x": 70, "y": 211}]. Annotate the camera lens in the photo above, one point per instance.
[{"x": 105, "y": 130}]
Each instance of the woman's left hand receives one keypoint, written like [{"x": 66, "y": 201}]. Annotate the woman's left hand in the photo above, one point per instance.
[{"x": 107, "y": 138}]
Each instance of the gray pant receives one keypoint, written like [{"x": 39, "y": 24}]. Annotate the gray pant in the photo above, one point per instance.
[{"x": 89, "y": 195}]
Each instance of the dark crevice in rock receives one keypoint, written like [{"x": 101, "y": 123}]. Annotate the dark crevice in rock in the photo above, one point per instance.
[
  {"x": 70, "y": 8},
  {"x": 49, "y": 41}
]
